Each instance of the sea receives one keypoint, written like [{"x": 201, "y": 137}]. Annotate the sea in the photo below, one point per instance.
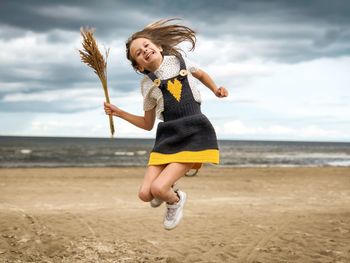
[{"x": 118, "y": 152}]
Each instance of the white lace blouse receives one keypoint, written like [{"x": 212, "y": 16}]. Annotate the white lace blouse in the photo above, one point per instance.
[{"x": 170, "y": 67}]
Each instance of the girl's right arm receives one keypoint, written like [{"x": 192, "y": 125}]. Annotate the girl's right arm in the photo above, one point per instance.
[{"x": 144, "y": 122}]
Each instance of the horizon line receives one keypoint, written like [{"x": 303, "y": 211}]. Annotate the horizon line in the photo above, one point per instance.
[{"x": 139, "y": 138}]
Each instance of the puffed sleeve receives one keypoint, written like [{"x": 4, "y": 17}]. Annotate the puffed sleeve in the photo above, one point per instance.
[
  {"x": 149, "y": 102},
  {"x": 191, "y": 66}
]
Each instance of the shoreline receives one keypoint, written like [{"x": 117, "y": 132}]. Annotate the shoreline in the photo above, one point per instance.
[
  {"x": 232, "y": 170},
  {"x": 206, "y": 166}
]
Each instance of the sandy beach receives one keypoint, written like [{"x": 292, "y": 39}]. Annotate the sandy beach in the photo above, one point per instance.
[{"x": 232, "y": 215}]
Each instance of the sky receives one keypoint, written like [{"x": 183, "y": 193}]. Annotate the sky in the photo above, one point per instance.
[{"x": 285, "y": 64}]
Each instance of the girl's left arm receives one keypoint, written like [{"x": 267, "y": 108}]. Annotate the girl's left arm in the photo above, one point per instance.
[{"x": 204, "y": 77}]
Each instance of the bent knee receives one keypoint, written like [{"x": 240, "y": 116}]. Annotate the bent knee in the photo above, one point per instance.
[
  {"x": 145, "y": 196},
  {"x": 158, "y": 191}
]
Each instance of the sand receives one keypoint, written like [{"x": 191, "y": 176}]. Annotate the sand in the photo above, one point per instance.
[{"x": 232, "y": 215}]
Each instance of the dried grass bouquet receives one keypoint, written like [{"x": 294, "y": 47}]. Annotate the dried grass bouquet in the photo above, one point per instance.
[{"x": 91, "y": 56}]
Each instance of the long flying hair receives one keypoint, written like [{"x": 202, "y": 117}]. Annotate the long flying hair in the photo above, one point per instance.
[{"x": 166, "y": 35}]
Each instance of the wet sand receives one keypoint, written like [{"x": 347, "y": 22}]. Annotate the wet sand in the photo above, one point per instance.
[{"x": 232, "y": 215}]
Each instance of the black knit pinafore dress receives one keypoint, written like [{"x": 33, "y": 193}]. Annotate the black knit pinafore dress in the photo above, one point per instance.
[{"x": 186, "y": 135}]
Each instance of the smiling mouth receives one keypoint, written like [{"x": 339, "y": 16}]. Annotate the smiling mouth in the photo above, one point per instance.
[{"x": 149, "y": 54}]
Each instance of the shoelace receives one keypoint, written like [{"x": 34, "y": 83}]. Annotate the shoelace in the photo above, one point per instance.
[{"x": 171, "y": 211}]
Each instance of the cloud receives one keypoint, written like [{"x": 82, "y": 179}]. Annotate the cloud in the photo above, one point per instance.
[
  {"x": 283, "y": 30},
  {"x": 270, "y": 54},
  {"x": 65, "y": 101},
  {"x": 93, "y": 123},
  {"x": 32, "y": 64},
  {"x": 43, "y": 107},
  {"x": 237, "y": 128}
]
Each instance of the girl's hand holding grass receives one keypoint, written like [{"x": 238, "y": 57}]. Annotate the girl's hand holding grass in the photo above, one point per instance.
[{"x": 111, "y": 110}]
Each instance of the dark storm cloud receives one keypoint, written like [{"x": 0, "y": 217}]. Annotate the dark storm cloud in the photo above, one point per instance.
[
  {"x": 255, "y": 20},
  {"x": 122, "y": 16},
  {"x": 58, "y": 78},
  {"x": 285, "y": 31},
  {"x": 110, "y": 17}
]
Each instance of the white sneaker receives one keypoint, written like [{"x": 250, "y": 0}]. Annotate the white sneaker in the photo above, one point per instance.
[
  {"x": 174, "y": 212},
  {"x": 156, "y": 202}
]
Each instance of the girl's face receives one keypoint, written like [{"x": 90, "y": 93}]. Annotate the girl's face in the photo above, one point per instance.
[{"x": 146, "y": 54}]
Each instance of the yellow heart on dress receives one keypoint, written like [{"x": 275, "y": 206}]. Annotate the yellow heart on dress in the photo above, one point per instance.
[{"x": 175, "y": 89}]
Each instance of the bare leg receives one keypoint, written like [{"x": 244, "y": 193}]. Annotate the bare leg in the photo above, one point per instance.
[
  {"x": 151, "y": 174},
  {"x": 161, "y": 186}
]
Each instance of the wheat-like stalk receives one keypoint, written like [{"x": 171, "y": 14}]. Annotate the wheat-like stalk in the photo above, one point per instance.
[{"x": 91, "y": 56}]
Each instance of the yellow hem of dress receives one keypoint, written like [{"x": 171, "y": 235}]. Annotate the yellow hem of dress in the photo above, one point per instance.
[{"x": 205, "y": 156}]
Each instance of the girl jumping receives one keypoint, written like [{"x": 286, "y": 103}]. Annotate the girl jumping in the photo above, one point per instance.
[{"x": 185, "y": 139}]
